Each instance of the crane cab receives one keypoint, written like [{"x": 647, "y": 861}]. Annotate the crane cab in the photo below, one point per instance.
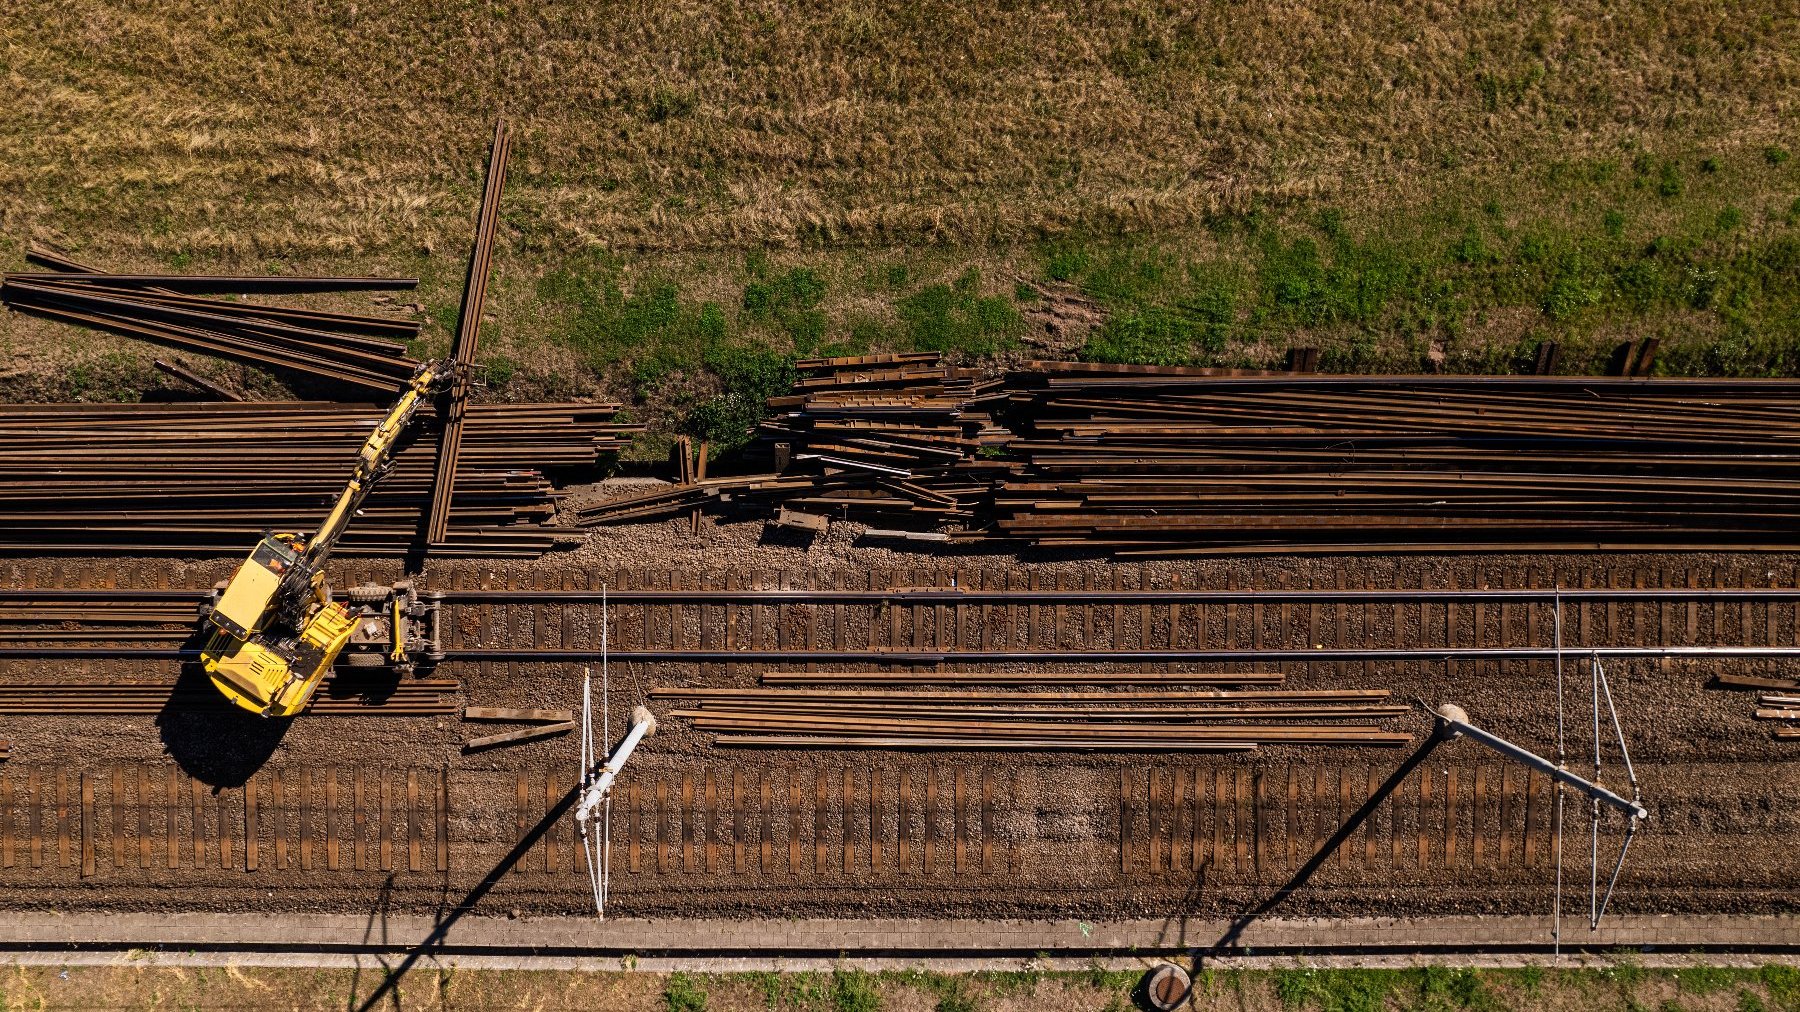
[{"x": 256, "y": 664}]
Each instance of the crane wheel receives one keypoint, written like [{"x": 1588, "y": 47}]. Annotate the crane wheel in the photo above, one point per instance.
[{"x": 365, "y": 659}]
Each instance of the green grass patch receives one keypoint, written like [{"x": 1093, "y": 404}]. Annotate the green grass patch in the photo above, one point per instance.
[
  {"x": 854, "y": 990},
  {"x": 683, "y": 993},
  {"x": 958, "y": 318}
]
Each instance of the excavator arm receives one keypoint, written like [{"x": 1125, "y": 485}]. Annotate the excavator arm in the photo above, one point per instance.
[
  {"x": 377, "y": 454},
  {"x": 275, "y": 630}
]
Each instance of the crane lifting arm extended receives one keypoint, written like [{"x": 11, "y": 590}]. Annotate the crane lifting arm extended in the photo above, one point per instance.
[{"x": 274, "y": 629}]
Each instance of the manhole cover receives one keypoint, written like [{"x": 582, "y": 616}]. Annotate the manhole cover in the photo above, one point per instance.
[{"x": 1167, "y": 986}]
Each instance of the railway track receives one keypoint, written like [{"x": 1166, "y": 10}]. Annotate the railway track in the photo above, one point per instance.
[{"x": 1006, "y": 616}]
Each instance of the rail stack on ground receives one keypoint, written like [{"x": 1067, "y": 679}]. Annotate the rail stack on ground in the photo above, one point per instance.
[
  {"x": 1173, "y": 717},
  {"x": 363, "y": 352},
  {"x": 874, "y": 437},
  {"x": 1156, "y": 461},
  {"x": 205, "y": 477},
  {"x": 1171, "y": 464}
]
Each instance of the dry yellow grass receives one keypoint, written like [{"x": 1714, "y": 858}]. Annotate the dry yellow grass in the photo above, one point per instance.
[
  {"x": 666, "y": 141},
  {"x": 241, "y": 129}
]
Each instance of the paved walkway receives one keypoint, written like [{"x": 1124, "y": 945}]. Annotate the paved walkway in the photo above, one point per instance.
[{"x": 721, "y": 944}]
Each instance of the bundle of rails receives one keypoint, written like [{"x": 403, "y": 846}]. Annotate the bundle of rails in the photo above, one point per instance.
[
  {"x": 1150, "y": 461},
  {"x": 339, "y": 696},
  {"x": 184, "y": 478},
  {"x": 364, "y": 352},
  {"x": 1226, "y": 721}
]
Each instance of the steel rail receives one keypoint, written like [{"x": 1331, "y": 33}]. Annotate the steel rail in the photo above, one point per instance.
[
  {"x": 954, "y": 596},
  {"x": 800, "y": 656}
]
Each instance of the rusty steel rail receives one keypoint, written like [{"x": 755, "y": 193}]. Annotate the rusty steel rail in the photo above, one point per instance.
[{"x": 468, "y": 334}]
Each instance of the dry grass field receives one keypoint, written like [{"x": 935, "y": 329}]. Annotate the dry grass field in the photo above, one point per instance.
[{"x": 701, "y": 190}]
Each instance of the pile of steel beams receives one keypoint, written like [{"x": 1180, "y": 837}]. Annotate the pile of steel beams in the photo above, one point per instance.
[
  {"x": 891, "y": 437},
  {"x": 363, "y": 352},
  {"x": 1167, "y": 719},
  {"x": 197, "y": 478},
  {"x": 1170, "y": 461},
  {"x": 1161, "y": 464}
]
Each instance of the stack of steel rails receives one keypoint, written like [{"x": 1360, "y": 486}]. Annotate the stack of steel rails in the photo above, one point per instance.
[
  {"x": 364, "y": 352},
  {"x": 893, "y": 436},
  {"x": 1138, "y": 460},
  {"x": 1168, "y": 719},
  {"x": 1170, "y": 464},
  {"x": 197, "y": 478}
]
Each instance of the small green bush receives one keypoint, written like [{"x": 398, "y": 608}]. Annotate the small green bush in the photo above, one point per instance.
[{"x": 683, "y": 993}]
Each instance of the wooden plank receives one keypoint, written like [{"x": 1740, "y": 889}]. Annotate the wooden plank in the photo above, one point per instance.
[
  {"x": 518, "y": 737},
  {"x": 1157, "y": 813},
  {"x": 65, "y": 857},
  {"x": 1322, "y": 828},
  {"x": 172, "y": 818},
  {"x": 278, "y": 819},
  {"x": 1427, "y": 778},
  {"x": 1293, "y": 816},
  {"x": 305, "y": 787},
  {"x": 1507, "y": 810},
  {"x": 876, "y": 808},
  {"x": 663, "y": 845},
  {"x": 252, "y": 787},
  {"x": 1370, "y": 839},
  {"x": 1450, "y": 803},
  {"x": 849, "y": 834},
  {"x": 1179, "y": 854},
  {"x": 6, "y": 821},
  {"x": 1127, "y": 816},
  {"x": 633, "y": 828},
  {"x": 1478, "y": 820},
  {"x": 1222, "y": 789},
  {"x": 35, "y": 819},
  {"x": 960, "y": 821},
  {"x": 712, "y": 823},
  {"x": 200, "y": 822},
  {"x": 739, "y": 824},
  {"x": 1244, "y": 801},
  {"x": 689, "y": 861},
  {"x": 359, "y": 821},
  {"x": 331, "y": 807},
  {"x": 387, "y": 823},
  {"x": 987, "y": 821},
  {"x": 765, "y": 824},
  {"x": 517, "y": 715},
  {"x": 1532, "y": 818},
  {"x": 821, "y": 809},
  {"x": 903, "y": 823},
  {"x": 117, "y": 820},
  {"x": 793, "y": 836},
  {"x": 415, "y": 858},
  {"x": 226, "y": 821},
  {"x": 1261, "y": 804},
  {"x": 931, "y": 794},
  {"x": 143, "y": 816},
  {"x": 87, "y": 826}
]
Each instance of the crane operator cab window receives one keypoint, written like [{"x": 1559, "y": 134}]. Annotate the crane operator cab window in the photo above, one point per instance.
[{"x": 245, "y": 603}]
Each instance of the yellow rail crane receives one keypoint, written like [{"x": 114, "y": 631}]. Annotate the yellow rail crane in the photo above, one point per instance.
[{"x": 275, "y": 630}]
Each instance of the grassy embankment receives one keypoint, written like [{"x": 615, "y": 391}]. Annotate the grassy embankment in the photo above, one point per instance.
[{"x": 701, "y": 194}]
